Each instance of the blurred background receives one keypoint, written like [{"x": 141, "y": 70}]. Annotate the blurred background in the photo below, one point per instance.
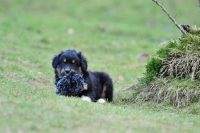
[{"x": 115, "y": 36}]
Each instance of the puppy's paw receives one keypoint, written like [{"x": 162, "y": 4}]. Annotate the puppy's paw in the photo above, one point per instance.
[
  {"x": 86, "y": 98},
  {"x": 101, "y": 101}
]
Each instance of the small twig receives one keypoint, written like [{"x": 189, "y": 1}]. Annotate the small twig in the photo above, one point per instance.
[
  {"x": 126, "y": 88},
  {"x": 173, "y": 20}
]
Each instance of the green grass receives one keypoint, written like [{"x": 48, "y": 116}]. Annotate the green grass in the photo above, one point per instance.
[{"x": 111, "y": 34}]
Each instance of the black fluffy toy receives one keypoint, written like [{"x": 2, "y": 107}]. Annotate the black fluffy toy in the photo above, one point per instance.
[{"x": 70, "y": 85}]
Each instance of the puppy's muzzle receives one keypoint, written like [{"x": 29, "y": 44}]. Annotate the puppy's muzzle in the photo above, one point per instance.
[{"x": 67, "y": 70}]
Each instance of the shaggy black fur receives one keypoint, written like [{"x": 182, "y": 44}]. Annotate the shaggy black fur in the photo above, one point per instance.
[
  {"x": 98, "y": 84},
  {"x": 70, "y": 85}
]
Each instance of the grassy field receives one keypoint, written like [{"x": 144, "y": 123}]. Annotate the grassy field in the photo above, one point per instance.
[{"x": 111, "y": 34}]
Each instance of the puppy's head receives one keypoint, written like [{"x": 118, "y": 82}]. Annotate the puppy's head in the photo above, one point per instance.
[{"x": 69, "y": 61}]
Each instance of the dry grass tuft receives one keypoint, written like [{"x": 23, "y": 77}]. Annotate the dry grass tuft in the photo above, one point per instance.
[
  {"x": 164, "y": 91},
  {"x": 181, "y": 67}
]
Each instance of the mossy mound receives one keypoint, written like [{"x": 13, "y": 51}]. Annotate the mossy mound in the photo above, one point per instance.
[{"x": 172, "y": 74}]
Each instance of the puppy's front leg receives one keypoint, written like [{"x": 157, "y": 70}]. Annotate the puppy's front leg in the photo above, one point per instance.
[{"x": 87, "y": 96}]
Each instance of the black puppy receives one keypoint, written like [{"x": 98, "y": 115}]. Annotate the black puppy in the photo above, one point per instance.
[{"x": 98, "y": 86}]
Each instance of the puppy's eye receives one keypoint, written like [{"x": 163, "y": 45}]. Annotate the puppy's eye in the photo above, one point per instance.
[
  {"x": 64, "y": 60},
  {"x": 73, "y": 61}
]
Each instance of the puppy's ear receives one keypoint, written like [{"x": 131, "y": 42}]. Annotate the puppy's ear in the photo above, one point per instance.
[
  {"x": 56, "y": 60},
  {"x": 83, "y": 62}
]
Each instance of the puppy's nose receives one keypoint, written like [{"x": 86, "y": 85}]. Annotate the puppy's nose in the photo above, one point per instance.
[{"x": 67, "y": 71}]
